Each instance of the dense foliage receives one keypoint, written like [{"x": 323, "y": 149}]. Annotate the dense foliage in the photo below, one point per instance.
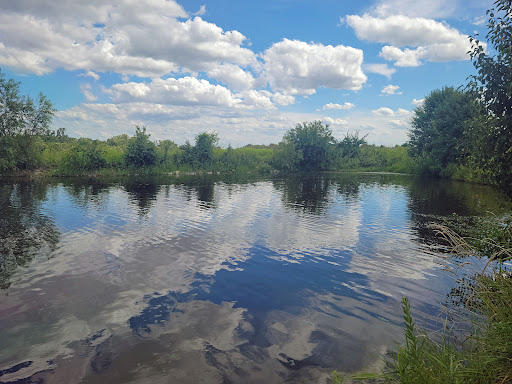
[
  {"x": 492, "y": 85},
  {"x": 140, "y": 151},
  {"x": 22, "y": 122},
  {"x": 438, "y": 129},
  {"x": 314, "y": 143}
]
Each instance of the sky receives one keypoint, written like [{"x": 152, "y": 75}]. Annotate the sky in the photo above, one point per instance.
[{"x": 249, "y": 70}]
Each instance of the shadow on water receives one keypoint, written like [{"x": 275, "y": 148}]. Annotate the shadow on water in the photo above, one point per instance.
[{"x": 25, "y": 230}]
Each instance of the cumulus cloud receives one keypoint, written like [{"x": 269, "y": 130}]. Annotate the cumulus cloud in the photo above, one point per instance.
[
  {"x": 383, "y": 111},
  {"x": 282, "y": 99},
  {"x": 257, "y": 99},
  {"x": 381, "y": 69},
  {"x": 190, "y": 91},
  {"x": 424, "y": 8},
  {"x": 331, "y": 121},
  {"x": 390, "y": 90},
  {"x": 144, "y": 38},
  {"x": 95, "y": 76},
  {"x": 86, "y": 90},
  {"x": 417, "y": 103},
  {"x": 184, "y": 91},
  {"x": 296, "y": 67},
  {"x": 345, "y": 105},
  {"x": 233, "y": 76},
  {"x": 428, "y": 39}
]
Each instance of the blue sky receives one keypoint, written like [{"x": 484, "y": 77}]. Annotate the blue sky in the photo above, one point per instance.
[{"x": 249, "y": 70}]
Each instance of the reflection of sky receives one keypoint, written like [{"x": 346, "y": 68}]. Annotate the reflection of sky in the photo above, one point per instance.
[
  {"x": 264, "y": 283},
  {"x": 303, "y": 278}
]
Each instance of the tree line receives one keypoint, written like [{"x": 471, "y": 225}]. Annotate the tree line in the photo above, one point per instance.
[{"x": 28, "y": 143}]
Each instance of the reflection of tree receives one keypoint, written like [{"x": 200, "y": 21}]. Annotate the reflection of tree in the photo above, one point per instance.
[
  {"x": 143, "y": 192},
  {"x": 307, "y": 192},
  {"x": 442, "y": 197},
  {"x": 25, "y": 231},
  {"x": 86, "y": 190},
  {"x": 203, "y": 189}
]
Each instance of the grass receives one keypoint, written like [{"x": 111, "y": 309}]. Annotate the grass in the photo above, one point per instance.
[{"x": 484, "y": 355}]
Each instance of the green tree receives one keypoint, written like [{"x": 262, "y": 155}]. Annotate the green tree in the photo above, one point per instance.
[
  {"x": 202, "y": 153},
  {"x": 286, "y": 157},
  {"x": 205, "y": 145},
  {"x": 21, "y": 119},
  {"x": 493, "y": 86},
  {"x": 351, "y": 144},
  {"x": 85, "y": 155},
  {"x": 119, "y": 141},
  {"x": 165, "y": 149},
  {"x": 314, "y": 142},
  {"x": 140, "y": 151},
  {"x": 437, "y": 136}
]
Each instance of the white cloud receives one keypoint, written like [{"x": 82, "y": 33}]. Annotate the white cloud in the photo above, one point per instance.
[
  {"x": 201, "y": 12},
  {"x": 86, "y": 90},
  {"x": 331, "y": 121},
  {"x": 95, "y": 76},
  {"x": 381, "y": 69},
  {"x": 345, "y": 105},
  {"x": 233, "y": 76},
  {"x": 430, "y": 40},
  {"x": 417, "y": 103},
  {"x": 190, "y": 91},
  {"x": 402, "y": 112},
  {"x": 296, "y": 67},
  {"x": 143, "y": 38},
  {"x": 401, "y": 30},
  {"x": 406, "y": 58},
  {"x": 398, "y": 123},
  {"x": 480, "y": 20},
  {"x": 391, "y": 90},
  {"x": 423, "y": 8},
  {"x": 184, "y": 91},
  {"x": 281, "y": 99},
  {"x": 383, "y": 111},
  {"x": 257, "y": 99}
]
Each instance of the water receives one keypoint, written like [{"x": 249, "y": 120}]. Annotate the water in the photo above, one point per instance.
[{"x": 176, "y": 280}]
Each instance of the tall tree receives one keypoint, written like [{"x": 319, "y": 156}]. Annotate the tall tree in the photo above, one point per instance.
[
  {"x": 314, "y": 142},
  {"x": 438, "y": 127},
  {"x": 140, "y": 151},
  {"x": 493, "y": 86},
  {"x": 22, "y": 120},
  {"x": 203, "y": 150},
  {"x": 20, "y": 114}
]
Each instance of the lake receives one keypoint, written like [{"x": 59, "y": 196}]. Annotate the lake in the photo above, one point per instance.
[{"x": 218, "y": 279}]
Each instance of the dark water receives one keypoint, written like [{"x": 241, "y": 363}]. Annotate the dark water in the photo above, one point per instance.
[{"x": 161, "y": 280}]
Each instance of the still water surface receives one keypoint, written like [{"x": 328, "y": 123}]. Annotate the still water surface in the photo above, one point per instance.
[{"x": 175, "y": 280}]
